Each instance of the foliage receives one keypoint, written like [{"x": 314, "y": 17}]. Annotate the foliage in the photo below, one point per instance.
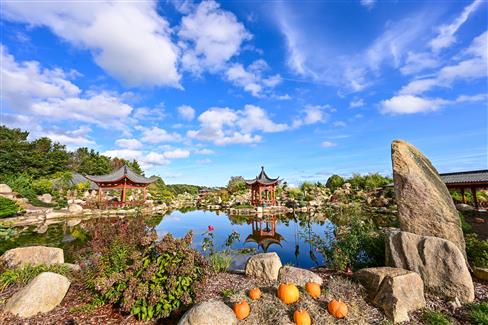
[
  {"x": 7, "y": 233},
  {"x": 334, "y": 182},
  {"x": 477, "y": 251},
  {"x": 183, "y": 188},
  {"x": 42, "y": 185},
  {"x": 23, "y": 275},
  {"x": 466, "y": 226},
  {"x": 8, "y": 208},
  {"x": 145, "y": 277},
  {"x": 433, "y": 317},
  {"x": 220, "y": 261},
  {"x": 236, "y": 184},
  {"x": 368, "y": 182},
  {"x": 22, "y": 184},
  {"x": 355, "y": 244},
  {"x": 478, "y": 313}
]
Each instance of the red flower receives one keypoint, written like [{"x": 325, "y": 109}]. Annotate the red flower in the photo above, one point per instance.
[{"x": 210, "y": 228}]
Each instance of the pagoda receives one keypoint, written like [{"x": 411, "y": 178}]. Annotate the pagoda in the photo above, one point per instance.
[
  {"x": 263, "y": 189},
  {"x": 121, "y": 179}
]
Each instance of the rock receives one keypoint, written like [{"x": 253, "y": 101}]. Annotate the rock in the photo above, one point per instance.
[
  {"x": 464, "y": 207},
  {"x": 55, "y": 215},
  {"x": 264, "y": 266},
  {"x": 5, "y": 189},
  {"x": 455, "y": 304},
  {"x": 73, "y": 267},
  {"x": 75, "y": 208},
  {"x": 33, "y": 255},
  {"x": 297, "y": 276},
  {"x": 439, "y": 262},
  {"x": 41, "y": 295},
  {"x": 46, "y": 198},
  {"x": 425, "y": 206},
  {"x": 396, "y": 291},
  {"x": 211, "y": 312},
  {"x": 73, "y": 222},
  {"x": 481, "y": 273}
]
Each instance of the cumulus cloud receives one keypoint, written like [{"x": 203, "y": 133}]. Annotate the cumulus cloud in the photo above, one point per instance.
[
  {"x": 328, "y": 144},
  {"x": 204, "y": 151},
  {"x": 129, "y": 40},
  {"x": 252, "y": 79},
  {"x": 186, "y": 112},
  {"x": 148, "y": 159},
  {"x": 210, "y": 37},
  {"x": 311, "y": 114},
  {"x": 408, "y": 104},
  {"x": 359, "y": 102},
  {"x": 256, "y": 118},
  {"x": 74, "y": 138},
  {"x": 129, "y": 143},
  {"x": 157, "y": 135}
]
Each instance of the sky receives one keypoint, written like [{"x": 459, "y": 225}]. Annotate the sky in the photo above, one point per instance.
[{"x": 198, "y": 92}]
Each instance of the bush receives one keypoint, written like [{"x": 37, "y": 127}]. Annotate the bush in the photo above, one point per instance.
[
  {"x": 23, "y": 275},
  {"x": 42, "y": 185},
  {"x": 145, "y": 277},
  {"x": 477, "y": 251},
  {"x": 478, "y": 313},
  {"x": 220, "y": 261},
  {"x": 8, "y": 208},
  {"x": 432, "y": 317}
]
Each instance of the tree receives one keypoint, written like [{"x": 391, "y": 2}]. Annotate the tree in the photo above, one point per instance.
[
  {"x": 236, "y": 184},
  {"x": 89, "y": 162},
  {"x": 14, "y": 150},
  {"x": 334, "y": 182}
]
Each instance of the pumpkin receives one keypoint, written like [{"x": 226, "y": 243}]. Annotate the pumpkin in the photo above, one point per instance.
[
  {"x": 241, "y": 309},
  {"x": 288, "y": 293},
  {"x": 301, "y": 317},
  {"x": 338, "y": 309},
  {"x": 313, "y": 289},
  {"x": 255, "y": 293}
]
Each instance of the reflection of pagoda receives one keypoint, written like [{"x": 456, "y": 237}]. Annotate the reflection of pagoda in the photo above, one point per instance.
[{"x": 264, "y": 233}]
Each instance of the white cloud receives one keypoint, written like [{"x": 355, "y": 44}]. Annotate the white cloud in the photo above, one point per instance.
[
  {"x": 204, "y": 161},
  {"x": 255, "y": 118},
  {"x": 186, "y": 112},
  {"x": 158, "y": 135},
  {"x": 311, "y": 114},
  {"x": 408, "y": 104},
  {"x": 129, "y": 40},
  {"x": 328, "y": 144},
  {"x": 356, "y": 103},
  {"x": 368, "y": 3},
  {"x": 177, "y": 153},
  {"x": 416, "y": 62},
  {"x": 252, "y": 79},
  {"x": 339, "y": 124},
  {"x": 75, "y": 138},
  {"x": 210, "y": 37},
  {"x": 446, "y": 36},
  {"x": 148, "y": 159},
  {"x": 204, "y": 151},
  {"x": 129, "y": 143}
]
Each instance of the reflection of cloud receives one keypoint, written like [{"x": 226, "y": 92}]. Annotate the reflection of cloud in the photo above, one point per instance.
[{"x": 173, "y": 218}]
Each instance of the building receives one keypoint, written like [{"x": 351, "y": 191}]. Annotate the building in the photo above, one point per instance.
[
  {"x": 469, "y": 180},
  {"x": 263, "y": 189}
]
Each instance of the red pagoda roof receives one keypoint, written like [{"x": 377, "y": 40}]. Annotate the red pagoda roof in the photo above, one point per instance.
[
  {"x": 263, "y": 179},
  {"x": 120, "y": 174}
]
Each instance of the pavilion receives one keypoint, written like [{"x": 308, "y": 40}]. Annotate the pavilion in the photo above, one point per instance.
[
  {"x": 473, "y": 180},
  {"x": 263, "y": 189},
  {"x": 264, "y": 233},
  {"x": 122, "y": 179}
]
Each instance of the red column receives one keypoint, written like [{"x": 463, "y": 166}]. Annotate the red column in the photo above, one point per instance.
[{"x": 145, "y": 194}]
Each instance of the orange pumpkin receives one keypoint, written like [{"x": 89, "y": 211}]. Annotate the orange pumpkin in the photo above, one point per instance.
[
  {"x": 338, "y": 309},
  {"x": 313, "y": 289},
  {"x": 288, "y": 293},
  {"x": 301, "y": 317},
  {"x": 241, "y": 309},
  {"x": 255, "y": 293}
]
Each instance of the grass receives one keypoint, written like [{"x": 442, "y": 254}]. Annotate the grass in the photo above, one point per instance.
[
  {"x": 227, "y": 292},
  {"x": 23, "y": 275},
  {"x": 434, "y": 317},
  {"x": 220, "y": 261},
  {"x": 478, "y": 313}
]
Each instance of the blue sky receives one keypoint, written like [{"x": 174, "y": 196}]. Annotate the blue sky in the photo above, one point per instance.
[{"x": 201, "y": 91}]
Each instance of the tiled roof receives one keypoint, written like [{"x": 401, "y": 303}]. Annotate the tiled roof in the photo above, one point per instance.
[
  {"x": 262, "y": 178},
  {"x": 119, "y": 174},
  {"x": 475, "y": 176}
]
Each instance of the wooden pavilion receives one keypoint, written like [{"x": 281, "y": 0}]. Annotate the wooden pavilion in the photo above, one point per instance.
[
  {"x": 263, "y": 189},
  {"x": 471, "y": 180},
  {"x": 122, "y": 179},
  {"x": 264, "y": 233}
]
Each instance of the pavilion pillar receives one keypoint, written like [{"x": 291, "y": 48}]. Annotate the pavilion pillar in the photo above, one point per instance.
[
  {"x": 99, "y": 194},
  {"x": 463, "y": 195},
  {"x": 145, "y": 194},
  {"x": 475, "y": 199}
]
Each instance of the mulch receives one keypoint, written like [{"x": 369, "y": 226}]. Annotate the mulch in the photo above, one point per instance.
[{"x": 231, "y": 287}]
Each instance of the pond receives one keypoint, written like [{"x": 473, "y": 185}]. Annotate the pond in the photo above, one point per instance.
[{"x": 284, "y": 234}]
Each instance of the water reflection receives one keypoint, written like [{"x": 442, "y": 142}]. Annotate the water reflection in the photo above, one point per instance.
[{"x": 264, "y": 232}]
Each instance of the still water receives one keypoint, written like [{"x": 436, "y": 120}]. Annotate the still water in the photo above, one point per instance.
[{"x": 286, "y": 234}]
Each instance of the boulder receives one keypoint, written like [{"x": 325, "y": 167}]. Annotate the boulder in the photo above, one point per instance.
[
  {"x": 4, "y": 188},
  {"x": 396, "y": 291},
  {"x": 464, "y": 207},
  {"x": 439, "y": 262},
  {"x": 41, "y": 295},
  {"x": 264, "y": 266},
  {"x": 211, "y": 312},
  {"x": 33, "y": 255},
  {"x": 481, "y": 273},
  {"x": 298, "y": 276},
  {"x": 46, "y": 198},
  {"x": 75, "y": 208},
  {"x": 425, "y": 206}
]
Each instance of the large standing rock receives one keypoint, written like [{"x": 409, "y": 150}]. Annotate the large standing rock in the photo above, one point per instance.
[
  {"x": 41, "y": 295},
  {"x": 264, "y": 266},
  {"x": 33, "y": 255},
  {"x": 439, "y": 262},
  {"x": 211, "y": 312},
  {"x": 425, "y": 206},
  {"x": 298, "y": 276},
  {"x": 75, "y": 208},
  {"x": 396, "y": 291}
]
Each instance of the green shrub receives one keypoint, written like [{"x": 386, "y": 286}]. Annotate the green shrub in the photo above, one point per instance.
[
  {"x": 467, "y": 228},
  {"x": 220, "y": 261},
  {"x": 42, "y": 185},
  {"x": 433, "y": 317},
  {"x": 477, "y": 251},
  {"x": 8, "y": 208},
  {"x": 23, "y": 275},
  {"x": 478, "y": 313}
]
